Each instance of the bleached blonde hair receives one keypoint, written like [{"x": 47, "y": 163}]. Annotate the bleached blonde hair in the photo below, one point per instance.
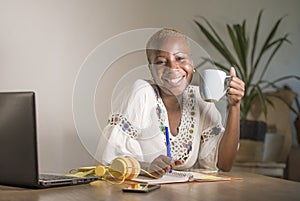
[{"x": 161, "y": 36}]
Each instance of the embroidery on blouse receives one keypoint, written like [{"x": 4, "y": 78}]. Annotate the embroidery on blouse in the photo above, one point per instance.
[
  {"x": 124, "y": 124},
  {"x": 181, "y": 145},
  {"x": 207, "y": 134}
]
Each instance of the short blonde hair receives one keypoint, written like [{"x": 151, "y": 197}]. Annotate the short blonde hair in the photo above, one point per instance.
[{"x": 161, "y": 36}]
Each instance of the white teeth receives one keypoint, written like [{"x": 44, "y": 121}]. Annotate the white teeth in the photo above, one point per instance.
[{"x": 174, "y": 81}]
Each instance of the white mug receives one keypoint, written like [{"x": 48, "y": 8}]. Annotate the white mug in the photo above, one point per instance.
[{"x": 214, "y": 84}]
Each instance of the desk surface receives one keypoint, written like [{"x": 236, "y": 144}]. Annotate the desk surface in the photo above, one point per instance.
[{"x": 251, "y": 187}]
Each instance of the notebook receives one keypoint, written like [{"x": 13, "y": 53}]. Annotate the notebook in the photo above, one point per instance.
[
  {"x": 181, "y": 176},
  {"x": 18, "y": 145}
]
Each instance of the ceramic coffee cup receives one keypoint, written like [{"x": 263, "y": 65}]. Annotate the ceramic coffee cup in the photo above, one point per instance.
[{"x": 214, "y": 84}]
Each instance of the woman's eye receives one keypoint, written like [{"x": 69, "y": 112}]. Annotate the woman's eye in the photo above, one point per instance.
[
  {"x": 180, "y": 58},
  {"x": 159, "y": 62}
]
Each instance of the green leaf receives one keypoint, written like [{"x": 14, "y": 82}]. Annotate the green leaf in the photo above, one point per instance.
[
  {"x": 264, "y": 49},
  {"x": 234, "y": 41},
  {"x": 255, "y": 37},
  {"x": 242, "y": 46},
  {"x": 266, "y": 43},
  {"x": 280, "y": 42},
  {"x": 236, "y": 47},
  {"x": 268, "y": 84},
  {"x": 214, "y": 32},
  {"x": 205, "y": 60},
  {"x": 222, "y": 67},
  {"x": 270, "y": 102},
  {"x": 224, "y": 51},
  {"x": 262, "y": 99},
  {"x": 285, "y": 78},
  {"x": 283, "y": 39},
  {"x": 286, "y": 103}
]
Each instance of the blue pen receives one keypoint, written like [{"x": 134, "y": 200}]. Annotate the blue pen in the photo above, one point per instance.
[{"x": 169, "y": 154}]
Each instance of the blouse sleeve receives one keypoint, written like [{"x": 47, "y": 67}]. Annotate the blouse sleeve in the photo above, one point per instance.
[
  {"x": 119, "y": 137},
  {"x": 211, "y": 135},
  {"x": 116, "y": 142}
]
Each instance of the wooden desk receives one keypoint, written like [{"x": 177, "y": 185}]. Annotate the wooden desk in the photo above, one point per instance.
[
  {"x": 265, "y": 168},
  {"x": 251, "y": 187}
]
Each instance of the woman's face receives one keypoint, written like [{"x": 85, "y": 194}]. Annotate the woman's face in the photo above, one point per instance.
[{"x": 172, "y": 66}]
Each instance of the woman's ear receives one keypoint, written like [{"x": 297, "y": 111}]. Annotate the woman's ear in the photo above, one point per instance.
[{"x": 150, "y": 69}]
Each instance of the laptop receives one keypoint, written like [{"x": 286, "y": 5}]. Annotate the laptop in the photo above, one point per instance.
[{"x": 18, "y": 145}]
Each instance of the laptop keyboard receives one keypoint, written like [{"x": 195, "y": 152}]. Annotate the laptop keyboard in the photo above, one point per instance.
[{"x": 47, "y": 177}]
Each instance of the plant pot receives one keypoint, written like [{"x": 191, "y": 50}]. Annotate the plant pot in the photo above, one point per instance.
[
  {"x": 253, "y": 130},
  {"x": 252, "y": 136}
]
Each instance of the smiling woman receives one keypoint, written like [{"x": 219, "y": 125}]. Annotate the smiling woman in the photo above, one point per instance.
[
  {"x": 171, "y": 66},
  {"x": 137, "y": 126}
]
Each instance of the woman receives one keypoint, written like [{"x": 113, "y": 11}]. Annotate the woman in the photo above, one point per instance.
[{"x": 198, "y": 139}]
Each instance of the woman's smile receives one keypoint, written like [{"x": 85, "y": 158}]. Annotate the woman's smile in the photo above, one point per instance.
[{"x": 174, "y": 81}]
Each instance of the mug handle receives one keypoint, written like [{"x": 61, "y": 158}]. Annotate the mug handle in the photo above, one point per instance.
[{"x": 226, "y": 80}]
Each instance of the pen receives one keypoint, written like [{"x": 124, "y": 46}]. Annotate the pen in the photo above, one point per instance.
[{"x": 169, "y": 154}]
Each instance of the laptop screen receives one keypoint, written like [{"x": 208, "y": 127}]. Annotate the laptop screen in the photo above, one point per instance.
[{"x": 18, "y": 142}]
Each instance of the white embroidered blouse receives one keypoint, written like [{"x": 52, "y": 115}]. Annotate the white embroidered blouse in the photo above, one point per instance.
[{"x": 136, "y": 129}]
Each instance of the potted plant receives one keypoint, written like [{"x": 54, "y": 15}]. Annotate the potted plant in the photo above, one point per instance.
[{"x": 250, "y": 60}]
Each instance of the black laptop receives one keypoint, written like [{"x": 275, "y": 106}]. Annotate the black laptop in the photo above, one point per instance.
[{"x": 18, "y": 145}]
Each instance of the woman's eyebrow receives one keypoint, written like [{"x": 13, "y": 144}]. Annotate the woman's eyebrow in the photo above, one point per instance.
[
  {"x": 159, "y": 55},
  {"x": 180, "y": 53}
]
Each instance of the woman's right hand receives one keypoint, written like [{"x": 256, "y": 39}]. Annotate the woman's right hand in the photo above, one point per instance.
[{"x": 162, "y": 164}]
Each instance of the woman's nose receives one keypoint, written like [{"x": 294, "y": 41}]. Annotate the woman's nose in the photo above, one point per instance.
[{"x": 173, "y": 64}]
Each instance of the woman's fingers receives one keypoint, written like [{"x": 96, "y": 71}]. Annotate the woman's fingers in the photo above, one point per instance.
[
  {"x": 236, "y": 88},
  {"x": 232, "y": 72},
  {"x": 157, "y": 171},
  {"x": 237, "y": 83},
  {"x": 162, "y": 165},
  {"x": 178, "y": 162}
]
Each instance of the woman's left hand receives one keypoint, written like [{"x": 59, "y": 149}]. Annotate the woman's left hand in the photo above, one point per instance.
[{"x": 236, "y": 89}]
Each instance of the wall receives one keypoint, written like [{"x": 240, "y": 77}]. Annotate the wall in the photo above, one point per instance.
[{"x": 44, "y": 43}]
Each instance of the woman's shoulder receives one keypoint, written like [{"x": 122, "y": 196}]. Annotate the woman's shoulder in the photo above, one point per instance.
[
  {"x": 140, "y": 82},
  {"x": 140, "y": 86},
  {"x": 138, "y": 90}
]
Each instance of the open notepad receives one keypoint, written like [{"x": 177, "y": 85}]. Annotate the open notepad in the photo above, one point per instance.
[{"x": 181, "y": 176}]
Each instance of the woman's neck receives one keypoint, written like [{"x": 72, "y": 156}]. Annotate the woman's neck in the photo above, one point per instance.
[{"x": 171, "y": 102}]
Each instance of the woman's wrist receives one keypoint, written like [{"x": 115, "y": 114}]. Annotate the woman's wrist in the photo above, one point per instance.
[{"x": 235, "y": 107}]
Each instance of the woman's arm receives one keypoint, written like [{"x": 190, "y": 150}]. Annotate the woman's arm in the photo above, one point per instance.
[{"x": 229, "y": 142}]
